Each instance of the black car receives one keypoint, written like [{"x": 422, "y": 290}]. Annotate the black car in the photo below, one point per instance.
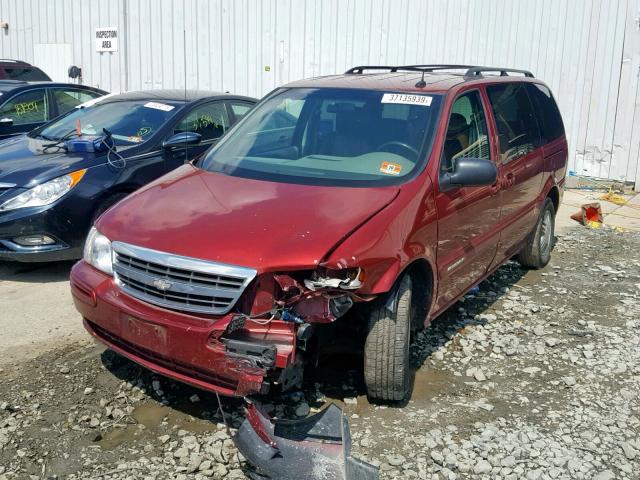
[
  {"x": 52, "y": 186},
  {"x": 27, "y": 105}
]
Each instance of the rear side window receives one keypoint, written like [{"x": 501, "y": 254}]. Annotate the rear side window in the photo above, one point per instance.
[
  {"x": 551, "y": 126},
  {"x": 70, "y": 98},
  {"x": 240, "y": 109},
  {"x": 26, "y": 74},
  {"x": 517, "y": 124}
]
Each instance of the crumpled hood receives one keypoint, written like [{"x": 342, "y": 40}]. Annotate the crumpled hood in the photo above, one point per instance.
[
  {"x": 23, "y": 163},
  {"x": 259, "y": 224}
]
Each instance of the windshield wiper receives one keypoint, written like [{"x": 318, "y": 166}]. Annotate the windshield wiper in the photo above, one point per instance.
[
  {"x": 58, "y": 144},
  {"x": 44, "y": 137}
]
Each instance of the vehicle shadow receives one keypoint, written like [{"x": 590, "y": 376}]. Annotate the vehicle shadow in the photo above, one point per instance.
[
  {"x": 173, "y": 394},
  {"x": 34, "y": 272}
]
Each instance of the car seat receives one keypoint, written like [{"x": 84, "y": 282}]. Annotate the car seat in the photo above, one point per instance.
[{"x": 457, "y": 139}]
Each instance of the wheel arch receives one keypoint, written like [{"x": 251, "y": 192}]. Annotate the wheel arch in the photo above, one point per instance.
[
  {"x": 423, "y": 288},
  {"x": 554, "y": 195},
  {"x": 98, "y": 207},
  {"x": 423, "y": 283}
]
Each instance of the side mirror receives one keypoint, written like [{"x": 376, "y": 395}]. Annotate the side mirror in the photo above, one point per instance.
[
  {"x": 469, "y": 172},
  {"x": 182, "y": 139},
  {"x": 6, "y": 122}
]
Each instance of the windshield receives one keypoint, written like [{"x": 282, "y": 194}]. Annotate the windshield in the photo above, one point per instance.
[
  {"x": 331, "y": 137},
  {"x": 130, "y": 122}
]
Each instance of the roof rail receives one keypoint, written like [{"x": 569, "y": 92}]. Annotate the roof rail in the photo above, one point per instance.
[
  {"x": 13, "y": 61},
  {"x": 477, "y": 71},
  {"x": 439, "y": 66},
  {"x": 470, "y": 70},
  {"x": 362, "y": 68}
]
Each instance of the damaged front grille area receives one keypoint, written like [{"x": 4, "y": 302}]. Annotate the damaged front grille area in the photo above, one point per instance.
[{"x": 179, "y": 283}]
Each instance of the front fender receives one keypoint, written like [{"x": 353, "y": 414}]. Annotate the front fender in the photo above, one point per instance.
[{"x": 403, "y": 232}]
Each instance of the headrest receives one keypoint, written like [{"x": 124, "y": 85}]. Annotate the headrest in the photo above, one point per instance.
[{"x": 457, "y": 124}]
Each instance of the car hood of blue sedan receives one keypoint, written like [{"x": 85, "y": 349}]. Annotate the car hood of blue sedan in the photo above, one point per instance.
[{"x": 25, "y": 162}]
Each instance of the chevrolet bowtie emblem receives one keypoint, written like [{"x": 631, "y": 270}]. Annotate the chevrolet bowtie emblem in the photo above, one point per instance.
[{"x": 162, "y": 284}]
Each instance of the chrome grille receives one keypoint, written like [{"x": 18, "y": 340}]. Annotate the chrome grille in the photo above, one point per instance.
[{"x": 177, "y": 282}]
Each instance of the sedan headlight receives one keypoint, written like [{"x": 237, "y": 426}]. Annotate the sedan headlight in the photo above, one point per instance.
[
  {"x": 45, "y": 193},
  {"x": 98, "y": 252}
]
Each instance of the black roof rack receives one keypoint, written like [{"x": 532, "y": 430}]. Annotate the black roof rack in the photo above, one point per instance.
[
  {"x": 470, "y": 70},
  {"x": 477, "y": 71}
]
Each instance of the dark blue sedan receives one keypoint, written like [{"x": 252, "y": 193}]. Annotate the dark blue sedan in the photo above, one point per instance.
[{"x": 56, "y": 180}]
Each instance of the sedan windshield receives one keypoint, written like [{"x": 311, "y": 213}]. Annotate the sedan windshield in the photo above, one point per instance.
[
  {"x": 130, "y": 122},
  {"x": 331, "y": 137}
]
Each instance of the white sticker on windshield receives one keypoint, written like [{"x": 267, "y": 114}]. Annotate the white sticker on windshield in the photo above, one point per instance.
[
  {"x": 407, "y": 99},
  {"x": 159, "y": 106}
]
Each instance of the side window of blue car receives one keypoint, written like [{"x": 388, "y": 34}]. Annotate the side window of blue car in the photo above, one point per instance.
[
  {"x": 209, "y": 120},
  {"x": 26, "y": 108},
  {"x": 68, "y": 98}
]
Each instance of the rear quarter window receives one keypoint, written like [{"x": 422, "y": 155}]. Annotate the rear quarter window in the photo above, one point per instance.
[
  {"x": 551, "y": 126},
  {"x": 68, "y": 98}
]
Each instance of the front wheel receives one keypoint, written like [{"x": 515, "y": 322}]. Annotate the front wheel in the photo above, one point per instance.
[
  {"x": 386, "y": 353},
  {"x": 537, "y": 251}
]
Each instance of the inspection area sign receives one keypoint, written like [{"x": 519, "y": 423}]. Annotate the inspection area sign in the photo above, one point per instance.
[{"x": 106, "y": 39}]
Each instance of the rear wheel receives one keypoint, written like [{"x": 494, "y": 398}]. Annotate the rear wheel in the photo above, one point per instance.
[
  {"x": 386, "y": 353},
  {"x": 537, "y": 251}
]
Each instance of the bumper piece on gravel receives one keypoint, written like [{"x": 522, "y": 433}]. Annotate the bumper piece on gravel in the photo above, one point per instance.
[{"x": 313, "y": 448}]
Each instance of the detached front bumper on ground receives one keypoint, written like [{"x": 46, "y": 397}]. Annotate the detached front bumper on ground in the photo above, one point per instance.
[{"x": 313, "y": 448}]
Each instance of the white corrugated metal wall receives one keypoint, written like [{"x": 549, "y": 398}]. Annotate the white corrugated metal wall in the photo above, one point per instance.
[{"x": 588, "y": 51}]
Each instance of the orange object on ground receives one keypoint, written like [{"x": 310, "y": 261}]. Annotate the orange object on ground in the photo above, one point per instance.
[{"x": 589, "y": 212}]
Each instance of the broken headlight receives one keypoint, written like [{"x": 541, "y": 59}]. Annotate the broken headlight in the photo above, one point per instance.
[{"x": 345, "y": 278}]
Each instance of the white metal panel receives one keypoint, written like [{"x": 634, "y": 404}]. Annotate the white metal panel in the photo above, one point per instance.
[
  {"x": 626, "y": 141},
  {"x": 586, "y": 50},
  {"x": 54, "y": 58}
]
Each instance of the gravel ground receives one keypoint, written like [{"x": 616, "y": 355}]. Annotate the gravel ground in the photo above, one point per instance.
[{"x": 536, "y": 376}]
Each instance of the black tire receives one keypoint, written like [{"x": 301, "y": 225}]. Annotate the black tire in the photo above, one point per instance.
[
  {"x": 386, "y": 352},
  {"x": 537, "y": 251}
]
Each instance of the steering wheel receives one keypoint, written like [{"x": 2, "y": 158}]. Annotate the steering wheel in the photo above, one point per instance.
[{"x": 399, "y": 144}]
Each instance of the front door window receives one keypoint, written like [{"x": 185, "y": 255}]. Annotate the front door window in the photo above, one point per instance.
[
  {"x": 26, "y": 108},
  {"x": 209, "y": 120},
  {"x": 467, "y": 131}
]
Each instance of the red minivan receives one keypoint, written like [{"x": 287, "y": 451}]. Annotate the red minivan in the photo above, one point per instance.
[{"x": 360, "y": 205}]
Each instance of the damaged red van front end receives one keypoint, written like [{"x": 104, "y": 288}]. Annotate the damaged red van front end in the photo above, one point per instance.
[{"x": 158, "y": 293}]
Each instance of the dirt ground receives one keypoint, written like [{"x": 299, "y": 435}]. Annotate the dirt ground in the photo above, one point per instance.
[
  {"x": 36, "y": 311},
  {"x": 535, "y": 376}
]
